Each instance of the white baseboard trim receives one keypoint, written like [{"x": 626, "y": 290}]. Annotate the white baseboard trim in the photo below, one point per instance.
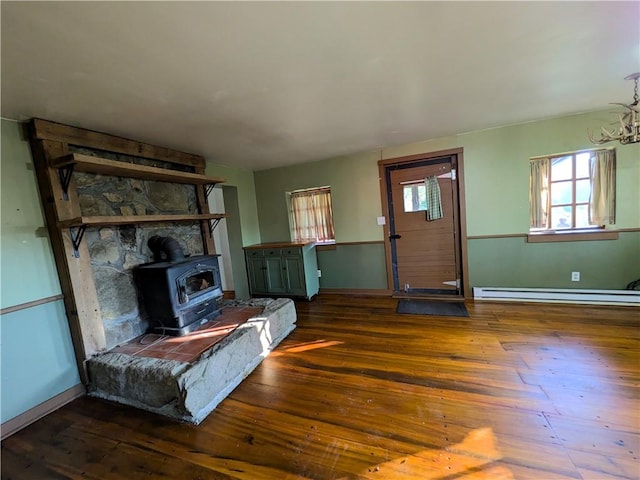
[
  {"x": 10, "y": 427},
  {"x": 558, "y": 295}
]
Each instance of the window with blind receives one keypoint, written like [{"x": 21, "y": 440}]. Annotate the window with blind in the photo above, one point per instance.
[
  {"x": 573, "y": 191},
  {"x": 311, "y": 215}
]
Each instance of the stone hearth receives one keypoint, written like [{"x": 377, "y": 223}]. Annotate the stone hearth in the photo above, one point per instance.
[{"x": 189, "y": 391}]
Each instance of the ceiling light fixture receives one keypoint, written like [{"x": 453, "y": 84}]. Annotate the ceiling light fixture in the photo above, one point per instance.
[{"x": 629, "y": 130}]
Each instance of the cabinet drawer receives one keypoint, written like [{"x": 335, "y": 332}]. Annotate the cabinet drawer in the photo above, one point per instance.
[
  {"x": 291, "y": 252},
  {"x": 255, "y": 253},
  {"x": 272, "y": 252}
]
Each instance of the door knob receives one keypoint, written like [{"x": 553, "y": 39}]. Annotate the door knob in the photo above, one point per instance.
[{"x": 395, "y": 236}]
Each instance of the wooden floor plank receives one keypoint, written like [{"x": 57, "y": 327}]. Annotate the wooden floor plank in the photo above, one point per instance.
[
  {"x": 415, "y": 382},
  {"x": 595, "y": 466},
  {"x": 597, "y": 437},
  {"x": 515, "y": 391}
]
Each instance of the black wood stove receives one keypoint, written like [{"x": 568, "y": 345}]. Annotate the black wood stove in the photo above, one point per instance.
[{"x": 179, "y": 293}]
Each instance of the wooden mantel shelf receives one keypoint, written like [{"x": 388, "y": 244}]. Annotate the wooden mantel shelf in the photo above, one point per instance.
[
  {"x": 97, "y": 165},
  {"x": 135, "y": 219}
]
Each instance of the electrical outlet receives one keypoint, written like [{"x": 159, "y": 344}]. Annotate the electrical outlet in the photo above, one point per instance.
[
  {"x": 319, "y": 273},
  {"x": 575, "y": 276}
]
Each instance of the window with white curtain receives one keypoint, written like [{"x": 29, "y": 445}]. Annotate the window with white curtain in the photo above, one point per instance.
[
  {"x": 311, "y": 215},
  {"x": 574, "y": 191}
]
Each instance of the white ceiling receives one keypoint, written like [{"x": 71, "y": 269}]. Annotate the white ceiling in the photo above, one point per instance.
[{"x": 261, "y": 84}]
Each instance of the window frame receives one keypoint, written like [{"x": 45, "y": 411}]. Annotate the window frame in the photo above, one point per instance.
[
  {"x": 574, "y": 181},
  {"x": 292, "y": 223},
  {"x": 550, "y": 231}
]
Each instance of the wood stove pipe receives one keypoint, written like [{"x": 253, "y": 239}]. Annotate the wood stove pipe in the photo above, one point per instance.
[{"x": 168, "y": 246}]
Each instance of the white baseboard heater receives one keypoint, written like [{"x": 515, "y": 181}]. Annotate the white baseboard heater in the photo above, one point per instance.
[{"x": 558, "y": 295}]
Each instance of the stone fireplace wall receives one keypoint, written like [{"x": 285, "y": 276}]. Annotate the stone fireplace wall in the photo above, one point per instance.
[{"x": 116, "y": 250}]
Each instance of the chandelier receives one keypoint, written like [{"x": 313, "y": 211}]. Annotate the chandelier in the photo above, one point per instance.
[{"x": 629, "y": 129}]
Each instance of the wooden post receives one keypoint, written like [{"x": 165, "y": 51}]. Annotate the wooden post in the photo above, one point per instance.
[
  {"x": 203, "y": 207},
  {"x": 76, "y": 278}
]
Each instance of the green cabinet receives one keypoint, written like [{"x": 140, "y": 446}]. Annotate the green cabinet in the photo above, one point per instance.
[{"x": 283, "y": 269}]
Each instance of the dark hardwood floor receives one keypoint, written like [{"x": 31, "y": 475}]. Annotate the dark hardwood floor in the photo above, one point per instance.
[{"x": 358, "y": 392}]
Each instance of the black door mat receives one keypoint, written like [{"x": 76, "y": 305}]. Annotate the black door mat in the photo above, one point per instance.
[{"x": 426, "y": 307}]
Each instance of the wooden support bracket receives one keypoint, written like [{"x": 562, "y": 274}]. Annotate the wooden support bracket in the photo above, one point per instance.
[
  {"x": 64, "y": 174},
  {"x": 76, "y": 238},
  {"x": 213, "y": 223}
]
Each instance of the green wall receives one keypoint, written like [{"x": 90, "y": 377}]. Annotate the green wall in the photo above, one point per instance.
[
  {"x": 497, "y": 171},
  {"x": 365, "y": 270},
  {"x": 244, "y": 182},
  {"x": 355, "y": 193},
  {"x": 25, "y": 242},
  {"x": 496, "y": 177},
  {"x": 37, "y": 357},
  {"x": 498, "y": 203},
  {"x": 511, "y": 262},
  {"x": 37, "y": 354}
]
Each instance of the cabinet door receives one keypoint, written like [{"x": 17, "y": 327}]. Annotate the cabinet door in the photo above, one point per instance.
[
  {"x": 294, "y": 270},
  {"x": 257, "y": 275},
  {"x": 275, "y": 275}
]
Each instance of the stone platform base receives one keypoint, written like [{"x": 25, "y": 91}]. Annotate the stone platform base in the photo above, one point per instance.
[{"x": 190, "y": 391}]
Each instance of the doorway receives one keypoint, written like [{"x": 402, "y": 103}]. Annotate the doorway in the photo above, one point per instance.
[
  {"x": 425, "y": 246},
  {"x": 228, "y": 242}
]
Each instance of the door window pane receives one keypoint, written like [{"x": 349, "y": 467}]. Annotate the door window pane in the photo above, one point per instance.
[{"x": 415, "y": 197}]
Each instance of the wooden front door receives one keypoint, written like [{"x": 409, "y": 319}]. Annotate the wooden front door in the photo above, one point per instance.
[{"x": 424, "y": 248}]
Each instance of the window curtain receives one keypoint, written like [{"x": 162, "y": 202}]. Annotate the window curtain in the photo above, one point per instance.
[
  {"x": 539, "y": 193},
  {"x": 312, "y": 215},
  {"x": 603, "y": 188}
]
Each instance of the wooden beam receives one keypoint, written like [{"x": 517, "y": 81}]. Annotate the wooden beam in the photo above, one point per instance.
[
  {"x": 202, "y": 200},
  {"x": 46, "y": 130},
  {"x": 75, "y": 274}
]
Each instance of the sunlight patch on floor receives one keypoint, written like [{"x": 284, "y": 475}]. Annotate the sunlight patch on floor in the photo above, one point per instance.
[
  {"x": 471, "y": 459},
  {"x": 303, "y": 347}
]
